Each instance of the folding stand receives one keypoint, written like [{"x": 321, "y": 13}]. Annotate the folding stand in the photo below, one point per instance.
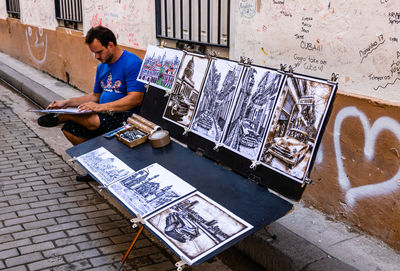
[
  {"x": 241, "y": 196},
  {"x": 234, "y": 182},
  {"x": 180, "y": 265},
  {"x": 128, "y": 251}
]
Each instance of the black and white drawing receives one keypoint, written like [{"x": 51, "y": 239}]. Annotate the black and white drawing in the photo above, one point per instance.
[
  {"x": 216, "y": 99},
  {"x": 104, "y": 166},
  {"x": 196, "y": 226},
  {"x": 255, "y": 100},
  {"x": 299, "y": 113},
  {"x": 149, "y": 189},
  {"x": 160, "y": 67},
  {"x": 184, "y": 97}
]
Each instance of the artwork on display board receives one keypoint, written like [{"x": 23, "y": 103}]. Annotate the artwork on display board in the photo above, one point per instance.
[
  {"x": 254, "y": 103},
  {"x": 160, "y": 67},
  {"x": 195, "y": 226},
  {"x": 183, "y": 99},
  {"x": 216, "y": 99},
  {"x": 150, "y": 189},
  {"x": 298, "y": 116},
  {"x": 104, "y": 166}
]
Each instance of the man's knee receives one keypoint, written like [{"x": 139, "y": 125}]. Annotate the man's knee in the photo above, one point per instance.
[{"x": 93, "y": 122}]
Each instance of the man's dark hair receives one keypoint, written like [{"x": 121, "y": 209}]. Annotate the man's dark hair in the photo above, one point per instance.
[{"x": 103, "y": 34}]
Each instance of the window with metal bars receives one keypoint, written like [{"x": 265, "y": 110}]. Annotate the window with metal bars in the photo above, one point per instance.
[
  {"x": 204, "y": 22},
  {"x": 13, "y": 8},
  {"x": 69, "y": 13}
]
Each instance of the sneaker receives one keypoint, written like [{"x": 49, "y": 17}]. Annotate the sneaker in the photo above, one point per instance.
[
  {"x": 48, "y": 120},
  {"x": 84, "y": 178}
]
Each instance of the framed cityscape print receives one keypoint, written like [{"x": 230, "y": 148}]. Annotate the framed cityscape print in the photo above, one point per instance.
[
  {"x": 104, "y": 166},
  {"x": 150, "y": 189},
  {"x": 254, "y": 103},
  {"x": 296, "y": 123},
  {"x": 216, "y": 99},
  {"x": 185, "y": 94},
  {"x": 160, "y": 67},
  {"x": 195, "y": 226}
]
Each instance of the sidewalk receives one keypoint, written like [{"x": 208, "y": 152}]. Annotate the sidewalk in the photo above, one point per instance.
[
  {"x": 48, "y": 221},
  {"x": 306, "y": 240}
]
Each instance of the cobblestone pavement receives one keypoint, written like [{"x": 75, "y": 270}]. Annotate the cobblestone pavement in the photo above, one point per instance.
[{"x": 48, "y": 221}]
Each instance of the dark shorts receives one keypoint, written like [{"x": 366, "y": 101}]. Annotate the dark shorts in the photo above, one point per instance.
[{"x": 107, "y": 123}]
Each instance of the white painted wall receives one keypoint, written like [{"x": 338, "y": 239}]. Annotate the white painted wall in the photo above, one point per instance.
[
  {"x": 3, "y": 10},
  {"x": 132, "y": 21},
  {"x": 359, "y": 40},
  {"x": 40, "y": 13}
]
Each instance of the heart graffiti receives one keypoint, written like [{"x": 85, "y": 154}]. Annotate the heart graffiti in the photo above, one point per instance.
[{"x": 371, "y": 133}]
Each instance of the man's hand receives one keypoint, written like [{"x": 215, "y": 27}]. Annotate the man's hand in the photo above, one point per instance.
[
  {"x": 57, "y": 105},
  {"x": 91, "y": 106}
]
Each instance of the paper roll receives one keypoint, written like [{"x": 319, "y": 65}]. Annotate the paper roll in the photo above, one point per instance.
[
  {"x": 146, "y": 122},
  {"x": 159, "y": 139},
  {"x": 141, "y": 126}
]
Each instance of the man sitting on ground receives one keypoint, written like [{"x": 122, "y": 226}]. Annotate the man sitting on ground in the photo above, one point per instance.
[{"x": 115, "y": 90}]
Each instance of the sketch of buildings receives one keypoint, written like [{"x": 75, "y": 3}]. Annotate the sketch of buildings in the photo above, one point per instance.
[
  {"x": 255, "y": 100},
  {"x": 216, "y": 99},
  {"x": 299, "y": 113},
  {"x": 184, "y": 97},
  {"x": 196, "y": 226},
  {"x": 149, "y": 189},
  {"x": 160, "y": 67},
  {"x": 104, "y": 166}
]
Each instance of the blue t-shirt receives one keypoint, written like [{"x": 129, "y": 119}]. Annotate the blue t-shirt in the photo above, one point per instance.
[{"x": 115, "y": 80}]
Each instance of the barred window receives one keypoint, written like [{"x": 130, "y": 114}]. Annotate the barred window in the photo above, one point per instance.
[
  {"x": 69, "y": 13},
  {"x": 194, "y": 21},
  {"x": 13, "y": 8}
]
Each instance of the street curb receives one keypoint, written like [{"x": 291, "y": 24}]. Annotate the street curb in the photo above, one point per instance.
[
  {"x": 35, "y": 91},
  {"x": 289, "y": 252}
]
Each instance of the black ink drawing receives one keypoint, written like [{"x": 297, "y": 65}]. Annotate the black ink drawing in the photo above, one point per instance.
[
  {"x": 184, "y": 97},
  {"x": 149, "y": 189},
  {"x": 196, "y": 226},
  {"x": 160, "y": 67},
  {"x": 216, "y": 99},
  {"x": 104, "y": 166},
  {"x": 255, "y": 100},
  {"x": 291, "y": 137}
]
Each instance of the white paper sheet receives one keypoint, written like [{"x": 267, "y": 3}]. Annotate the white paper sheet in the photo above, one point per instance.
[
  {"x": 104, "y": 166},
  {"x": 150, "y": 189},
  {"x": 69, "y": 110},
  {"x": 195, "y": 226}
]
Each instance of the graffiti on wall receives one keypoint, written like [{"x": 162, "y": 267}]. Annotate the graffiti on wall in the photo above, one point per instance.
[
  {"x": 352, "y": 194},
  {"x": 39, "y": 13},
  {"x": 354, "y": 39},
  {"x": 36, "y": 41},
  {"x": 128, "y": 19},
  {"x": 247, "y": 8}
]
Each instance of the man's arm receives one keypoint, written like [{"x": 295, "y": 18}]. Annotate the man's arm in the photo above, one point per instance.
[
  {"x": 132, "y": 99},
  {"x": 74, "y": 102}
]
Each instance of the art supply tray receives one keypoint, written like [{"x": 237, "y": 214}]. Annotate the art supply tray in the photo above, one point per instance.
[
  {"x": 132, "y": 136},
  {"x": 138, "y": 132}
]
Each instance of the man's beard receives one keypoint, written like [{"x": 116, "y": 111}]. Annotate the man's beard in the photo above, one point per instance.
[{"x": 108, "y": 59}]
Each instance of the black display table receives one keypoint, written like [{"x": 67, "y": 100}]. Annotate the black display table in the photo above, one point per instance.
[{"x": 244, "y": 198}]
